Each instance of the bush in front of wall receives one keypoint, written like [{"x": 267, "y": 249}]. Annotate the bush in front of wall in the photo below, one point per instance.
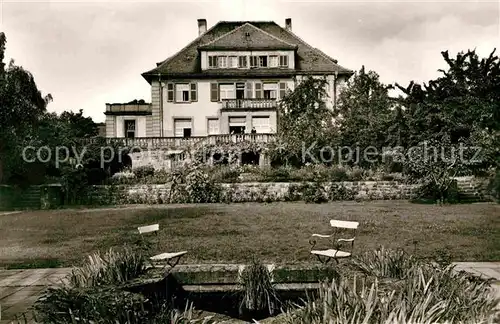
[
  {"x": 313, "y": 192},
  {"x": 144, "y": 171},
  {"x": 340, "y": 192},
  {"x": 294, "y": 192}
]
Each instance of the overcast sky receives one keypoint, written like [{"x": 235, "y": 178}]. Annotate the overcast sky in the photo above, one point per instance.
[{"x": 88, "y": 53}]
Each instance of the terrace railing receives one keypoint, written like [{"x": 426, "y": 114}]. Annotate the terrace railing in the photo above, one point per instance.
[
  {"x": 238, "y": 138},
  {"x": 249, "y": 103}
]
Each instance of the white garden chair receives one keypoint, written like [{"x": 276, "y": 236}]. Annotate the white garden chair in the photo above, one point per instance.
[
  {"x": 170, "y": 258},
  {"x": 336, "y": 253}
]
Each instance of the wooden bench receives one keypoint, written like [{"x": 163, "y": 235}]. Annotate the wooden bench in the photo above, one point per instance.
[
  {"x": 170, "y": 258},
  {"x": 336, "y": 253}
]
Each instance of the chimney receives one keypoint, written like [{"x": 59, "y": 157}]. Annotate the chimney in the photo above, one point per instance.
[
  {"x": 288, "y": 24},
  {"x": 202, "y": 26}
]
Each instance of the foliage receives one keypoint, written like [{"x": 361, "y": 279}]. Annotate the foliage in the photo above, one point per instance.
[
  {"x": 364, "y": 113},
  {"x": 465, "y": 98},
  {"x": 420, "y": 293},
  {"x": 313, "y": 192},
  {"x": 191, "y": 184},
  {"x": 22, "y": 105},
  {"x": 303, "y": 119},
  {"x": 386, "y": 263},
  {"x": 259, "y": 293},
  {"x": 111, "y": 267},
  {"x": 433, "y": 165},
  {"x": 144, "y": 171},
  {"x": 494, "y": 185},
  {"x": 340, "y": 192}
]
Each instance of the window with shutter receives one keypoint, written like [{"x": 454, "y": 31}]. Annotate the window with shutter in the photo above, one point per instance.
[
  {"x": 282, "y": 89},
  {"x": 258, "y": 90},
  {"x": 170, "y": 92},
  {"x": 249, "y": 90},
  {"x": 194, "y": 92},
  {"x": 214, "y": 92}
]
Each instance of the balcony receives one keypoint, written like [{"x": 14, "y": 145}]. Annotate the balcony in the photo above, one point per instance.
[
  {"x": 238, "y": 138},
  {"x": 172, "y": 143},
  {"x": 249, "y": 104},
  {"x": 128, "y": 109},
  {"x": 179, "y": 143}
]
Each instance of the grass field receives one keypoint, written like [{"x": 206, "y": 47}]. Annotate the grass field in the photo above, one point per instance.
[{"x": 235, "y": 233}]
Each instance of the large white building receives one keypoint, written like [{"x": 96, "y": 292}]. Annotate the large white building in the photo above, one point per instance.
[{"x": 228, "y": 80}]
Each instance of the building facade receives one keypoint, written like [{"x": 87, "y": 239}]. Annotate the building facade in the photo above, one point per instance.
[{"x": 228, "y": 80}]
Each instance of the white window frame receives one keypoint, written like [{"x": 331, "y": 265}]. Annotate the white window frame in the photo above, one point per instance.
[
  {"x": 263, "y": 58},
  {"x": 212, "y": 61},
  {"x": 180, "y": 89},
  {"x": 176, "y": 120},
  {"x": 243, "y": 58},
  {"x": 222, "y": 62},
  {"x": 126, "y": 131},
  {"x": 254, "y": 61},
  {"x": 263, "y": 127},
  {"x": 283, "y": 61},
  {"x": 227, "y": 91},
  {"x": 233, "y": 62},
  {"x": 273, "y": 61},
  {"x": 272, "y": 87},
  {"x": 213, "y": 128}
]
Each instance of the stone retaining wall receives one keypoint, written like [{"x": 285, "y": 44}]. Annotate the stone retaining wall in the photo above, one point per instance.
[
  {"x": 470, "y": 189},
  {"x": 50, "y": 196}
]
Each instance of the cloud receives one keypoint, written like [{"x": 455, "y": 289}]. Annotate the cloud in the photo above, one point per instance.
[{"x": 87, "y": 54}]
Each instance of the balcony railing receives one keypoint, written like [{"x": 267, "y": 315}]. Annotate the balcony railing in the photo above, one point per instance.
[
  {"x": 150, "y": 142},
  {"x": 238, "y": 138},
  {"x": 179, "y": 143},
  {"x": 249, "y": 103},
  {"x": 137, "y": 109}
]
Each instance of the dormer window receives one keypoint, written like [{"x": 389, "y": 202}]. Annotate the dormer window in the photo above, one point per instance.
[
  {"x": 254, "y": 61},
  {"x": 233, "y": 62},
  {"x": 222, "y": 60},
  {"x": 242, "y": 62},
  {"x": 245, "y": 61},
  {"x": 212, "y": 62},
  {"x": 283, "y": 61},
  {"x": 263, "y": 61},
  {"x": 273, "y": 61}
]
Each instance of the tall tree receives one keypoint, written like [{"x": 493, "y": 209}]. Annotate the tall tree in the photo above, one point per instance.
[
  {"x": 22, "y": 105},
  {"x": 365, "y": 111},
  {"x": 463, "y": 100},
  {"x": 304, "y": 120}
]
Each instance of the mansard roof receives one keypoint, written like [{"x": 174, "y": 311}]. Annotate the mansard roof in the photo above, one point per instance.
[{"x": 234, "y": 35}]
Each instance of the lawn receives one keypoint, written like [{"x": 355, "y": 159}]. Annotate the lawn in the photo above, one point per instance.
[{"x": 277, "y": 232}]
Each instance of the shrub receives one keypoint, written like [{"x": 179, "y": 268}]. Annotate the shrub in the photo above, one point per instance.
[
  {"x": 426, "y": 294},
  {"x": 442, "y": 192},
  {"x": 340, "y": 192},
  {"x": 294, "y": 192},
  {"x": 494, "y": 186},
  {"x": 279, "y": 174},
  {"x": 225, "y": 174},
  {"x": 259, "y": 294},
  {"x": 313, "y": 193},
  {"x": 144, "y": 171},
  {"x": 111, "y": 267},
  {"x": 386, "y": 263},
  {"x": 191, "y": 184}
]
